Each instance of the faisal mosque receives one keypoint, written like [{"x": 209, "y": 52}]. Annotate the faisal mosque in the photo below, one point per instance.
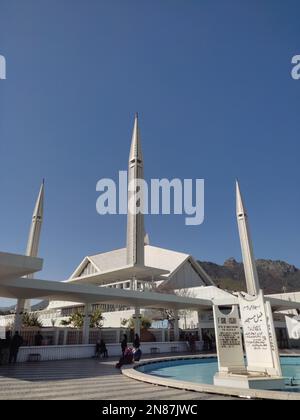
[
  {"x": 139, "y": 266},
  {"x": 129, "y": 282}
]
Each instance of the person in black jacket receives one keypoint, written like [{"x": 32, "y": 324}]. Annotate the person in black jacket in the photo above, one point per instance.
[
  {"x": 137, "y": 355},
  {"x": 124, "y": 344},
  {"x": 5, "y": 348},
  {"x": 38, "y": 339},
  {"x": 15, "y": 344},
  {"x": 1, "y": 350},
  {"x": 136, "y": 342}
]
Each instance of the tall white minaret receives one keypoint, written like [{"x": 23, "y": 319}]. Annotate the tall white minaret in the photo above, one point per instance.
[
  {"x": 33, "y": 241},
  {"x": 36, "y": 225},
  {"x": 135, "y": 220},
  {"x": 246, "y": 245}
]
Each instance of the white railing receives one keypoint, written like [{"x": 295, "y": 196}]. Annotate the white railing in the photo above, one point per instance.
[{"x": 73, "y": 336}]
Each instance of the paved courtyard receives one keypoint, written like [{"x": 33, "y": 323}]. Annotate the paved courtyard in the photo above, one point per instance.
[{"x": 88, "y": 379}]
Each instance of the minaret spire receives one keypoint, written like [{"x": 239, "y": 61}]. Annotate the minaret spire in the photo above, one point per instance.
[
  {"x": 135, "y": 219},
  {"x": 135, "y": 148},
  {"x": 246, "y": 245},
  {"x": 36, "y": 225},
  {"x": 32, "y": 246}
]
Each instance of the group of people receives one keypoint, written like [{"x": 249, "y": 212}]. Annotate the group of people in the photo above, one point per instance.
[
  {"x": 9, "y": 348},
  {"x": 130, "y": 354},
  {"x": 192, "y": 338},
  {"x": 101, "y": 349}
]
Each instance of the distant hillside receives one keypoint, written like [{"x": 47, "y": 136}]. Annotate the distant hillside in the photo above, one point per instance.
[
  {"x": 274, "y": 276},
  {"x": 37, "y": 307}
]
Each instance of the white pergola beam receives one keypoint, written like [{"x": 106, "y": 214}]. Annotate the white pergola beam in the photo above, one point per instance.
[{"x": 53, "y": 290}]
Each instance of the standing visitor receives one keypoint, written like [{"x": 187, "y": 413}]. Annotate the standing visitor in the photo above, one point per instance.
[
  {"x": 205, "y": 341},
  {"x": 192, "y": 342},
  {"x": 210, "y": 342},
  {"x": 38, "y": 339},
  {"x": 97, "y": 350},
  {"x": 136, "y": 342},
  {"x": 103, "y": 349},
  {"x": 1, "y": 350},
  {"x": 124, "y": 344},
  {"x": 15, "y": 344},
  {"x": 137, "y": 354},
  {"x": 6, "y": 347}
]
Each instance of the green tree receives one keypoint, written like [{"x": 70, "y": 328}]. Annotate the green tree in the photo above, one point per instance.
[
  {"x": 65, "y": 322},
  {"x": 145, "y": 323},
  {"x": 31, "y": 320},
  {"x": 97, "y": 319},
  {"x": 76, "y": 320}
]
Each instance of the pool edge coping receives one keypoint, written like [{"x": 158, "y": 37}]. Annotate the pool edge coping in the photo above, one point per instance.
[{"x": 133, "y": 373}]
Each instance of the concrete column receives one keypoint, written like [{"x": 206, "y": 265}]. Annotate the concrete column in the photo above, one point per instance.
[
  {"x": 176, "y": 326},
  {"x": 137, "y": 322},
  {"x": 86, "y": 324},
  {"x": 200, "y": 331},
  {"x": 65, "y": 336},
  {"x": 56, "y": 336}
]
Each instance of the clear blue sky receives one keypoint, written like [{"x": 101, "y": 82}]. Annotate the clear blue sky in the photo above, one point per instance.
[{"x": 211, "y": 82}]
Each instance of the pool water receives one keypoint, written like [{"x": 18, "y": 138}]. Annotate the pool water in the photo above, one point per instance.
[{"x": 203, "y": 370}]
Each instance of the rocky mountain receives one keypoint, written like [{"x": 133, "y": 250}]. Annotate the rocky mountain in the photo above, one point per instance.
[{"x": 274, "y": 276}]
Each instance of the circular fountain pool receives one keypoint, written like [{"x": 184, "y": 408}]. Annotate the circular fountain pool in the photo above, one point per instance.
[{"x": 202, "y": 370}]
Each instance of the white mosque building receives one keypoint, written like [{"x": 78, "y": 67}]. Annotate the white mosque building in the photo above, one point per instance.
[
  {"x": 185, "y": 276},
  {"x": 155, "y": 268}
]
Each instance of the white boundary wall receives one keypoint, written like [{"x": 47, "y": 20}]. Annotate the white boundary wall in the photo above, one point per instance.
[{"x": 87, "y": 351}]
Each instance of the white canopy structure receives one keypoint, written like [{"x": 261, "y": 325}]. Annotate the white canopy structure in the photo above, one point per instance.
[{"x": 13, "y": 286}]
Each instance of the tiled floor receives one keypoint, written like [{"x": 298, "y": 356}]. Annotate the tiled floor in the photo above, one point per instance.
[{"x": 82, "y": 379}]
